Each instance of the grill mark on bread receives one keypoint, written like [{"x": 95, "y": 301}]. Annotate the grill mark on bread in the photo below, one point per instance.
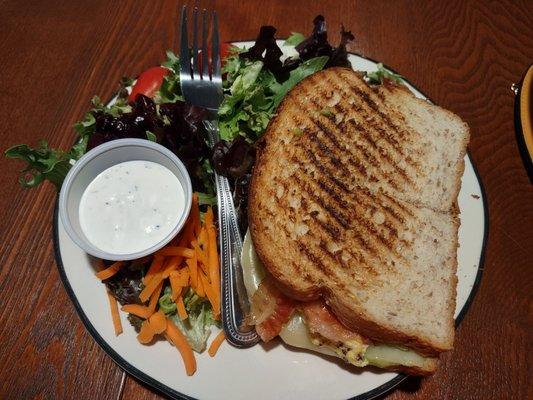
[
  {"x": 397, "y": 130},
  {"x": 363, "y": 197},
  {"x": 351, "y": 87},
  {"x": 362, "y": 222},
  {"x": 319, "y": 125},
  {"x": 328, "y": 174},
  {"x": 381, "y": 175},
  {"x": 381, "y": 133},
  {"x": 343, "y": 87},
  {"x": 383, "y": 153},
  {"x": 390, "y": 137},
  {"x": 296, "y": 265},
  {"x": 334, "y": 215},
  {"x": 333, "y": 231},
  {"x": 370, "y": 228},
  {"x": 367, "y": 99},
  {"x": 388, "y": 243},
  {"x": 307, "y": 250},
  {"x": 315, "y": 259},
  {"x": 326, "y": 151},
  {"x": 398, "y": 204},
  {"x": 393, "y": 232},
  {"x": 327, "y": 130},
  {"x": 381, "y": 150},
  {"x": 388, "y": 210}
]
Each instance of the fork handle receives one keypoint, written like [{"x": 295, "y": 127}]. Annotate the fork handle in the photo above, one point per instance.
[
  {"x": 235, "y": 305},
  {"x": 235, "y": 302}
]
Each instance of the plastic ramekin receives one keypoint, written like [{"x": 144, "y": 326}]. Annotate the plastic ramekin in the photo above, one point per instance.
[{"x": 99, "y": 159}]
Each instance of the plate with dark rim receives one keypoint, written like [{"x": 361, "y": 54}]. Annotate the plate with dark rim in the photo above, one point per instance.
[{"x": 263, "y": 371}]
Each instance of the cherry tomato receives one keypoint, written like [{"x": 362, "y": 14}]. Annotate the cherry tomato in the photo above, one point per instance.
[
  {"x": 224, "y": 52},
  {"x": 148, "y": 83}
]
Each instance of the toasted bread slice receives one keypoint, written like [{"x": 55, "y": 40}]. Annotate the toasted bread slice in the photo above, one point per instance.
[
  {"x": 352, "y": 198},
  {"x": 400, "y": 144}
]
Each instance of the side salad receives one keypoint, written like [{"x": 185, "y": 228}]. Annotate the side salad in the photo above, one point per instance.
[{"x": 175, "y": 292}]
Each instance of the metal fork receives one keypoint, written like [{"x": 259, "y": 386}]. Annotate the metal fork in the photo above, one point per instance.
[{"x": 204, "y": 88}]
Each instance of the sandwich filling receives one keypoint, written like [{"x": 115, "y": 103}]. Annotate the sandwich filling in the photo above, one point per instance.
[{"x": 312, "y": 325}]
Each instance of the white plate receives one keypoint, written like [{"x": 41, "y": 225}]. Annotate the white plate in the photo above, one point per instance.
[{"x": 261, "y": 372}]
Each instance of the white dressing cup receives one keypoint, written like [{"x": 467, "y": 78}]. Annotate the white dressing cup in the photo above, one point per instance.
[{"x": 97, "y": 160}]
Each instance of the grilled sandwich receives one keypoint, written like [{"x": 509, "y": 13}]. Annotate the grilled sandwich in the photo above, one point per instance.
[{"x": 353, "y": 204}]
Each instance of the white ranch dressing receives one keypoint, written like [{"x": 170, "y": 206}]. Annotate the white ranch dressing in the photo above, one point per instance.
[{"x": 131, "y": 207}]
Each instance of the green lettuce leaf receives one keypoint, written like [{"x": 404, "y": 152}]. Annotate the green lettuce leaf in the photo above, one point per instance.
[
  {"x": 294, "y": 39},
  {"x": 207, "y": 199},
  {"x": 376, "y": 77},
  {"x": 151, "y": 136},
  {"x": 46, "y": 164},
  {"x": 304, "y": 70},
  {"x": 166, "y": 304},
  {"x": 42, "y": 163},
  {"x": 197, "y": 327},
  {"x": 170, "y": 90},
  {"x": 252, "y": 95}
]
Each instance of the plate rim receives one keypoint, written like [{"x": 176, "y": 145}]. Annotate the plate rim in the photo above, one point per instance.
[{"x": 167, "y": 391}]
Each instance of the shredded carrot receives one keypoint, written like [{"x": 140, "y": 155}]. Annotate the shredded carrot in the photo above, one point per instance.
[
  {"x": 151, "y": 286},
  {"x": 215, "y": 344},
  {"x": 109, "y": 271},
  {"x": 182, "y": 277},
  {"x": 214, "y": 266},
  {"x": 201, "y": 256},
  {"x": 178, "y": 280},
  {"x": 155, "y": 298},
  {"x": 202, "y": 239},
  {"x": 192, "y": 265},
  {"x": 190, "y": 235},
  {"x": 155, "y": 267},
  {"x": 211, "y": 295},
  {"x": 195, "y": 215},
  {"x": 200, "y": 288},
  {"x": 158, "y": 277},
  {"x": 182, "y": 312},
  {"x": 136, "y": 309},
  {"x": 190, "y": 260},
  {"x": 114, "y": 313},
  {"x": 183, "y": 346},
  {"x": 146, "y": 334},
  {"x": 175, "y": 251},
  {"x": 176, "y": 288},
  {"x": 158, "y": 322},
  {"x": 209, "y": 217},
  {"x": 172, "y": 264}
]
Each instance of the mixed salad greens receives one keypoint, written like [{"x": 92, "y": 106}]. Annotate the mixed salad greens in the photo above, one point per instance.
[
  {"x": 126, "y": 286},
  {"x": 255, "y": 80}
]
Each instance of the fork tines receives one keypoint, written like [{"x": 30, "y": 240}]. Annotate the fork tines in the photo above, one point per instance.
[{"x": 190, "y": 57}]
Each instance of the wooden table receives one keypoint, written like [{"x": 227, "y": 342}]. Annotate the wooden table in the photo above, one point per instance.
[{"x": 56, "y": 54}]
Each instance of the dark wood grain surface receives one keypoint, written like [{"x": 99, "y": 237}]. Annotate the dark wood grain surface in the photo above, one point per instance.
[{"x": 56, "y": 54}]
